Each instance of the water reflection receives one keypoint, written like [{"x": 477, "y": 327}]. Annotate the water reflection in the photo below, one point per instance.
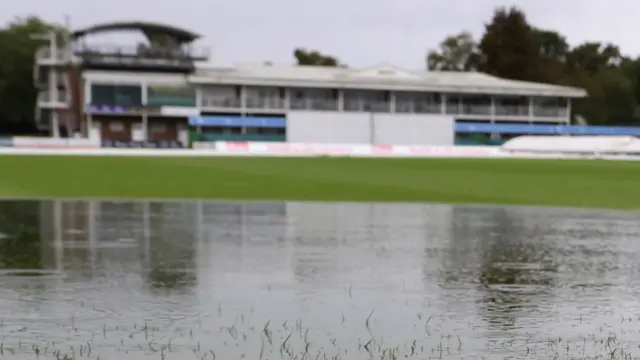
[{"x": 434, "y": 281}]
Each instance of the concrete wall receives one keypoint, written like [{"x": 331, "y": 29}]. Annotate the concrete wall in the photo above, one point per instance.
[
  {"x": 328, "y": 127},
  {"x": 364, "y": 128},
  {"x": 414, "y": 129}
]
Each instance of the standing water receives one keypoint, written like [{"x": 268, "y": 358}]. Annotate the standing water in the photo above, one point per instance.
[{"x": 223, "y": 280}]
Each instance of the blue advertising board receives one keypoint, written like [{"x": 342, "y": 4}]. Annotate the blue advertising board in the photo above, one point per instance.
[
  {"x": 239, "y": 121},
  {"x": 538, "y": 129},
  {"x": 149, "y": 144}
]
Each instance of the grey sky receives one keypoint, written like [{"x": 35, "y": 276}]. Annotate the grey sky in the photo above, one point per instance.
[{"x": 359, "y": 32}]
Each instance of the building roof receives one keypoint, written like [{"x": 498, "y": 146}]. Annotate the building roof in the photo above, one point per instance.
[
  {"x": 380, "y": 77},
  {"x": 150, "y": 29}
]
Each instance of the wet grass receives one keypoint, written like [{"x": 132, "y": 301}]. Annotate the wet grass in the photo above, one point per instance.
[
  {"x": 296, "y": 341},
  {"x": 570, "y": 183}
]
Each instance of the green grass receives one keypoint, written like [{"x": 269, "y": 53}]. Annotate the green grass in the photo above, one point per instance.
[{"x": 571, "y": 183}]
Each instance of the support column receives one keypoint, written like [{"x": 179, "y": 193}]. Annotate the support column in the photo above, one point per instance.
[
  {"x": 531, "y": 114},
  {"x": 89, "y": 125},
  {"x": 243, "y": 99},
  {"x": 91, "y": 231},
  {"x": 492, "y": 112},
  {"x": 568, "y": 116},
  {"x": 145, "y": 125},
  {"x": 392, "y": 101},
  {"x": 58, "y": 242},
  {"x": 443, "y": 104},
  {"x": 340, "y": 100}
]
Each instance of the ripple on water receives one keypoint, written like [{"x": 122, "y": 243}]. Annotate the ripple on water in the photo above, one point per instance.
[{"x": 31, "y": 274}]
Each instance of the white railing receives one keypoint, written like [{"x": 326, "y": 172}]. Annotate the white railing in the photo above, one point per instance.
[{"x": 47, "y": 97}]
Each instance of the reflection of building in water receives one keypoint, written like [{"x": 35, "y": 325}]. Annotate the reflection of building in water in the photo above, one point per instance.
[
  {"x": 172, "y": 235},
  {"x": 239, "y": 233},
  {"x": 353, "y": 242},
  {"x": 19, "y": 235},
  {"x": 157, "y": 239},
  {"x": 507, "y": 252},
  {"x": 243, "y": 248}
]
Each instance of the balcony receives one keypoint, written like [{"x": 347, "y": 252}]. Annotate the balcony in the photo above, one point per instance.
[
  {"x": 512, "y": 110},
  {"x": 550, "y": 112},
  {"x": 220, "y": 102},
  {"x": 361, "y": 105},
  {"x": 44, "y": 57},
  {"x": 265, "y": 103},
  {"x": 313, "y": 104},
  {"x": 140, "y": 58},
  {"x": 51, "y": 101}
]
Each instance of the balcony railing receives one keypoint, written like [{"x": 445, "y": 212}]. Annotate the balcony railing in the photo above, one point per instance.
[
  {"x": 405, "y": 106},
  {"x": 46, "y": 98},
  {"x": 551, "y": 112},
  {"x": 220, "y": 102},
  {"x": 367, "y": 106},
  {"x": 265, "y": 103},
  {"x": 314, "y": 104},
  {"x": 512, "y": 110},
  {"x": 44, "y": 54},
  {"x": 142, "y": 51}
]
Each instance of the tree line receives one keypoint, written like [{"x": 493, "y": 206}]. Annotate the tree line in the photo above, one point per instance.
[{"x": 510, "y": 47}]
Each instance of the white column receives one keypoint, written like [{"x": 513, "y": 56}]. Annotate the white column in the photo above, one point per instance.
[
  {"x": 340, "y": 100},
  {"x": 531, "y": 115},
  {"x": 443, "y": 104},
  {"x": 243, "y": 99},
  {"x": 146, "y": 231},
  {"x": 145, "y": 125},
  {"x": 568, "y": 117},
  {"x": 492, "y": 114},
  {"x": 57, "y": 235},
  {"x": 392, "y": 101},
  {"x": 91, "y": 230}
]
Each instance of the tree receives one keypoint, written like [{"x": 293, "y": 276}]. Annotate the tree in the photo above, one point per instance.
[
  {"x": 510, "y": 47},
  {"x": 17, "y": 91},
  {"x": 456, "y": 53},
  {"x": 312, "y": 57}
]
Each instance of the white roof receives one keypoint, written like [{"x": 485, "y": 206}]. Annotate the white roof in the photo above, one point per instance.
[{"x": 381, "y": 77}]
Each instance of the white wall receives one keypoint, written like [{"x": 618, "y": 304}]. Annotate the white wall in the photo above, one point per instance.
[
  {"x": 327, "y": 127},
  {"x": 356, "y": 128},
  {"x": 414, "y": 129}
]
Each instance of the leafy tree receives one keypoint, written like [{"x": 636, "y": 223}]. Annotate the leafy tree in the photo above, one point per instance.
[
  {"x": 312, "y": 57},
  {"x": 17, "y": 91},
  {"x": 511, "y": 48},
  {"x": 456, "y": 53}
]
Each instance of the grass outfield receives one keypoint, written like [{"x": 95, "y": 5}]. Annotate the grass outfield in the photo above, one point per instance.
[{"x": 603, "y": 184}]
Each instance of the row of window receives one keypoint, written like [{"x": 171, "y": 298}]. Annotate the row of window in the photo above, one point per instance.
[{"x": 320, "y": 99}]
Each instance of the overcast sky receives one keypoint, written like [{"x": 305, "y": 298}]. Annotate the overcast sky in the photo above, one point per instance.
[{"x": 358, "y": 32}]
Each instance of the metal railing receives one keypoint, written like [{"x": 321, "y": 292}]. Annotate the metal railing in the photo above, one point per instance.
[
  {"x": 264, "y": 103},
  {"x": 515, "y": 110},
  {"x": 142, "y": 50},
  {"x": 314, "y": 104},
  {"x": 367, "y": 106},
  {"x": 47, "y": 97},
  {"x": 220, "y": 102}
]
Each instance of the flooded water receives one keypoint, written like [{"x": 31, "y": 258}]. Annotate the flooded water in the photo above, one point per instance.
[{"x": 214, "y": 280}]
